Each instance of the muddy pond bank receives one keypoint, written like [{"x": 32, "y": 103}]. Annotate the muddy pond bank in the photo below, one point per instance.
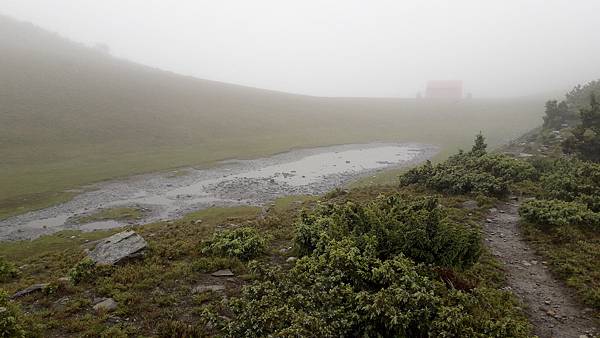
[{"x": 163, "y": 196}]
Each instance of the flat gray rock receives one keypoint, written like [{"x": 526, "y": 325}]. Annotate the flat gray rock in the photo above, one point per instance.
[
  {"x": 223, "y": 273},
  {"x": 205, "y": 288},
  {"x": 111, "y": 250},
  {"x": 470, "y": 205},
  {"x": 108, "y": 304},
  {"x": 31, "y": 289}
]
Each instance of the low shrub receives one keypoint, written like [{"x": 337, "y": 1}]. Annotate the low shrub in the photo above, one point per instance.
[
  {"x": 244, "y": 243},
  {"x": 559, "y": 213},
  {"x": 474, "y": 172},
  {"x": 84, "y": 271},
  {"x": 570, "y": 180},
  {"x": 417, "y": 228},
  {"x": 10, "y": 324},
  {"x": 7, "y": 271},
  {"x": 348, "y": 292}
]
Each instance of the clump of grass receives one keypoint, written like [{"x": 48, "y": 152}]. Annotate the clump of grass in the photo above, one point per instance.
[
  {"x": 7, "y": 270},
  {"x": 84, "y": 271},
  {"x": 210, "y": 264},
  {"x": 244, "y": 243}
]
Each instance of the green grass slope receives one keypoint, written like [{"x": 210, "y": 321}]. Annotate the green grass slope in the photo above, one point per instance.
[{"x": 70, "y": 115}]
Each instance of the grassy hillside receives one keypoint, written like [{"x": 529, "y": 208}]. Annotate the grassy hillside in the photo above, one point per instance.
[{"x": 70, "y": 115}]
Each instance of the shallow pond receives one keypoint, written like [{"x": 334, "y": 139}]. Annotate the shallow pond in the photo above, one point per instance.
[{"x": 168, "y": 195}]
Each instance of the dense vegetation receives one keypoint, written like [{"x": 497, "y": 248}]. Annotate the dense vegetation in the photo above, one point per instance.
[
  {"x": 386, "y": 227},
  {"x": 371, "y": 262},
  {"x": 562, "y": 216},
  {"x": 474, "y": 172},
  {"x": 585, "y": 139},
  {"x": 243, "y": 243},
  {"x": 372, "y": 270}
]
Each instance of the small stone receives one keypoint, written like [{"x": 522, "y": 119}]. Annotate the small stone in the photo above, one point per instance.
[
  {"x": 526, "y": 263},
  {"x": 488, "y": 220},
  {"x": 502, "y": 211},
  {"x": 547, "y": 302},
  {"x": 583, "y": 336},
  {"x": 534, "y": 262},
  {"x": 493, "y": 210},
  {"x": 108, "y": 304},
  {"x": 291, "y": 259},
  {"x": 198, "y": 221},
  {"x": 223, "y": 273},
  {"x": 205, "y": 288}
]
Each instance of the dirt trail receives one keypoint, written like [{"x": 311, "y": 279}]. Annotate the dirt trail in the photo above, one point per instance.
[{"x": 550, "y": 305}]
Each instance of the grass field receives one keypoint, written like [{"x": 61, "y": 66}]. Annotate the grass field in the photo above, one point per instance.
[{"x": 70, "y": 116}]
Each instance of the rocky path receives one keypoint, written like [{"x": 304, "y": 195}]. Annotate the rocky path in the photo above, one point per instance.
[{"x": 550, "y": 305}]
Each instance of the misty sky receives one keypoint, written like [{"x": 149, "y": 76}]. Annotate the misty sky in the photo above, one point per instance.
[{"x": 344, "y": 47}]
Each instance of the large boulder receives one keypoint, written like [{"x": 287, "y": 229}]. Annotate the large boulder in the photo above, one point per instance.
[{"x": 124, "y": 245}]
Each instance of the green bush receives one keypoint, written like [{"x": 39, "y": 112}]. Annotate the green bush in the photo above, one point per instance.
[
  {"x": 244, "y": 243},
  {"x": 10, "y": 324},
  {"x": 7, "y": 271},
  {"x": 473, "y": 172},
  {"x": 570, "y": 180},
  {"x": 348, "y": 292},
  {"x": 417, "y": 228},
  {"x": 559, "y": 213},
  {"x": 84, "y": 271}
]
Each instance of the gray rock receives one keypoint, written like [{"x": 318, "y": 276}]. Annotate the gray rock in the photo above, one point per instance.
[
  {"x": 111, "y": 250},
  {"x": 291, "y": 259},
  {"x": 223, "y": 273},
  {"x": 31, "y": 289},
  {"x": 470, "y": 205},
  {"x": 108, "y": 304},
  {"x": 205, "y": 288}
]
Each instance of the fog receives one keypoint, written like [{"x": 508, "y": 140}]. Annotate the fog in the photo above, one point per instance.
[{"x": 344, "y": 47}]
